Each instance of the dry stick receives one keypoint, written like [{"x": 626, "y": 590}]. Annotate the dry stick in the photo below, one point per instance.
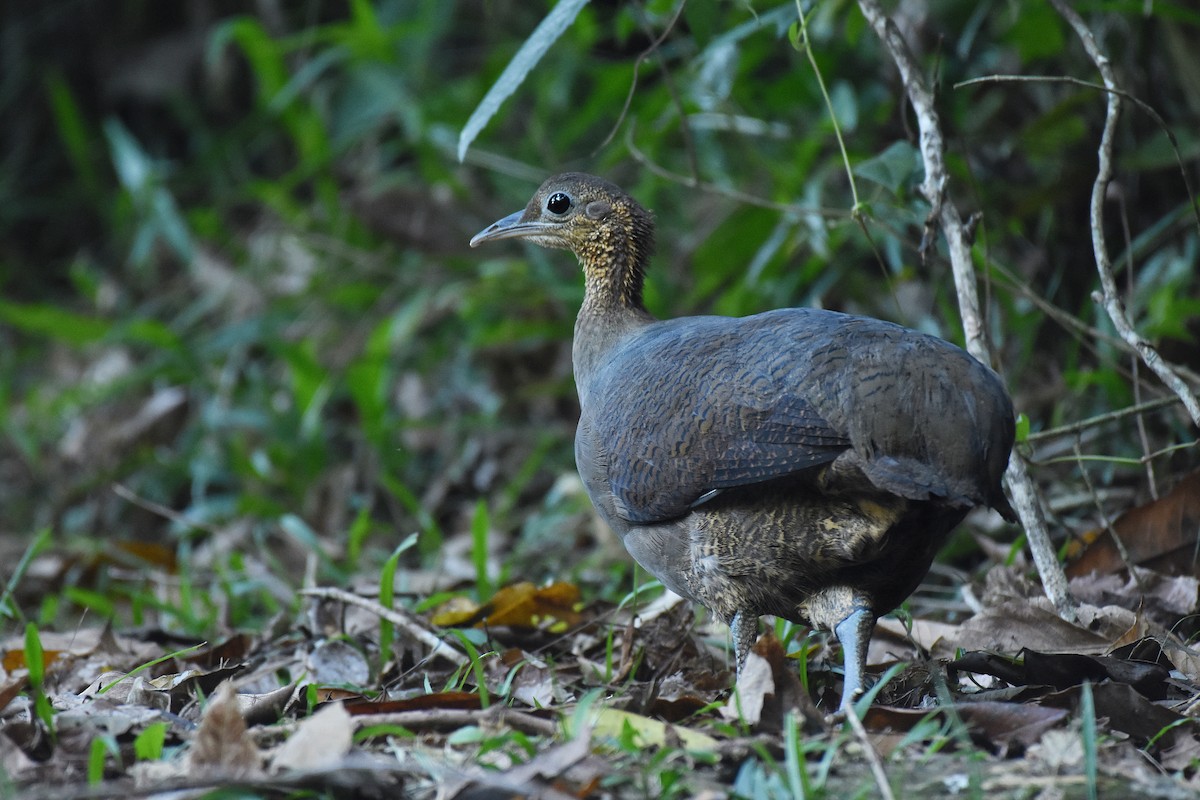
[
  {"x": 1144, "y": 106},
  {"x": 1020, "y": 486},
  {"x": 721, "y": 191},
  {"x": 872, "y": 755},
  {"x": 637, "y": 66},
  {"x": 1100, "y": 419},
  {"x": 1122, "y": 551},
  {"x": 1109, "y": 298},
  {"x": 405, "y": 621}
]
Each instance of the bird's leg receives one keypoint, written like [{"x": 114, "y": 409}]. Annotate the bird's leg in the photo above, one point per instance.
[
  {"x": 854, "y": 632},
  {"x": 847, "y": 612},
  {"x": 744, "y": 628}
]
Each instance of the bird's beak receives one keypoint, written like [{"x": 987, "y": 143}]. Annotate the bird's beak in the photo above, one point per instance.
[{"x": 511, "y": 227}]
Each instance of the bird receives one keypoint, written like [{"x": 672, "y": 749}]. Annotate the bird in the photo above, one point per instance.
[{"x": 801, "y": 463}]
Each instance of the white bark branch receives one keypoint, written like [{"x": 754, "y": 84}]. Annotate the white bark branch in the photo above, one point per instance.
[
  {"x": 944, "y": 213},
  {"x": 1109, "y": 297}
]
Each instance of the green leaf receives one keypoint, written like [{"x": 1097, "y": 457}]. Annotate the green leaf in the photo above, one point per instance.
[
  {"x": 54, "y": 323},
  {"x": 264, "y": 55},
  {"x": 148, "y": 746},
  {"x": 387, "y": 595},
  {"x": 35, "y": 657},
  {"x": 892, "y": 168},
  {"x": 531, "y": 52},
  {"x": 73, "y": 131},
  {"x": 133, "y": 166},
  {"x": 97, "y": 755},
  {"x": 479, "y": 554},
  {"x": 1037, "y": 32},
  {"x": 1022, "y": 427}
]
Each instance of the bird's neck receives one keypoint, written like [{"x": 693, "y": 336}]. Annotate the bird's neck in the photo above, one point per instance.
[
  {"x": 612, "y": 306},
  {"x": 614, "y": 257}
]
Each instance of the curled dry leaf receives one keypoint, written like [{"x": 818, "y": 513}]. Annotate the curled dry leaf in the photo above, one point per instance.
[
  {"x": 337, "y": 661},
  {"x": 222, "y": 747},
  {"x": 768, "y": 689},
  {"x": 1063, "y": 670}
]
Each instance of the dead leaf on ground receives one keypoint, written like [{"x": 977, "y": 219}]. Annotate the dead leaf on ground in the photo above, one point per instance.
[
  {"x": 1016, "y": 624},
  {"x": 1160, "y": 535},
  {"x": 1163, "y": 598},
  {"x": 222, "y": 748},
  {"x": 521, "y": 605},
  {"x": 893, "y": 640},
  {"x": 420, "y": 702},
  {"x": 1003, "y": 727},
  {"x": 647, "y": 732},
  {"x": 1129, "y": 712},
  {"x": 768, "y": 689},
  {"x": 319, "y": 742}
]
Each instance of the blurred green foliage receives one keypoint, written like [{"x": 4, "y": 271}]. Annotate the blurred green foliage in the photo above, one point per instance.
[{"x": 235, "y": 278}]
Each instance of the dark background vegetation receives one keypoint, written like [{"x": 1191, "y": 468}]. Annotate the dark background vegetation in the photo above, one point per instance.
[
  {"x": 250, "y": 214},
  {"x": 240, "y": 324}
]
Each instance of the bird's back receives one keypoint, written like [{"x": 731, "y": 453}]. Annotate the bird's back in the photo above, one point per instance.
[{"x": 685, "y": 408}]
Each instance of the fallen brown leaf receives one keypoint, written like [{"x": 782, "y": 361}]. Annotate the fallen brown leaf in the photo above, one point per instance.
[
  {"x": 1160, "y": 535},
  {"x": 222, "y": 748}
]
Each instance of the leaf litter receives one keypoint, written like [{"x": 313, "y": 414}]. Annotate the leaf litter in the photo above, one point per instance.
[{"x": 534, "y": 692}]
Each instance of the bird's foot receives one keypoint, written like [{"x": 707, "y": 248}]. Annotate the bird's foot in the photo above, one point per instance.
[
  {"x": 744, "y": 629},
  {"x": 847, "y": 612},
  {"x": 854, "y": 632}
]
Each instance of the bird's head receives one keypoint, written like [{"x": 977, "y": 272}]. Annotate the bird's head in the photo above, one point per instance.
[{"x": 610, "y": 233}]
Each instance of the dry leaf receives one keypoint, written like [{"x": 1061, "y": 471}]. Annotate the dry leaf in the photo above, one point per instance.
[
  {"x": 320, "y": 742},
  {"x": 649, "y": 732},
  {"x": 521, "y": 605},
  {"x": 768, "y": 689},
  {"x": 222, "y": 747},
  {"x": 1017, "y": 624},
  {"x": 336, "y": 661},
  {"x": 1160, "y": 535}
]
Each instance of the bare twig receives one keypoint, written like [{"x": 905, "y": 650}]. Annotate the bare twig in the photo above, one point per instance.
[
  {"x": 1101, "y": 419},
  {"x": 182, "y": 520},
  {"x": 454, "y": 718},
  {"x": 1104, "y": 518},
  {"x": 397, "y": 617},
  {"x": 1143, "y": 105},
  {"x": 932, "y": 148},
  {"x": 871, "y": 754},
  {"x": 721, "y": 191},
  {"x": 637, "y": 67},
  {"x": 1109, "y": 297}
]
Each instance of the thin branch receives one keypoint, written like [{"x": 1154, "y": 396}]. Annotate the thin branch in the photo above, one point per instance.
[
  {"x": 1101, "y": 419},
  {"x": 1109, "y": 297},
  {"x": 1142, "y": 104},
  {"x": 722, "y": 191},
  {"x": 806, "y": 44},
  {"x": 1125, "y": 460},
  {"x": 401, "y": 619},
  {"x": 871, "y": 754},
  {"x": 637, "y": 67},
  {"x": 182, "y": 520},
  {"x": 943, "y": 212}
]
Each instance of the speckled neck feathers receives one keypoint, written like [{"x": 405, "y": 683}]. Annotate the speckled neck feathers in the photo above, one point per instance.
[{"x": 614, "y": 257}]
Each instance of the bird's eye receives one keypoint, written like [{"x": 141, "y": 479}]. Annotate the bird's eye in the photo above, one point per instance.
[{"x": 558, "y": 203}]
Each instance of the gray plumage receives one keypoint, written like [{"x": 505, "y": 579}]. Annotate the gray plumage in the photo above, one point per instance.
[{"x": 801, "y": 463}]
